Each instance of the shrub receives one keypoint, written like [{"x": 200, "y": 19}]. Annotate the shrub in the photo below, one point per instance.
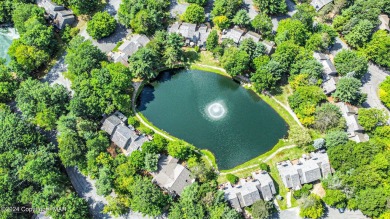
[
  {"x": 232, "y": 178},
  {"x": 264, "y": 166},
  {"x": 303, "y": 192}
]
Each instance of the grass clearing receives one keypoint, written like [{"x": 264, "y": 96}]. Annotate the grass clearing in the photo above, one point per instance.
[{"x": 210, "y": 156}]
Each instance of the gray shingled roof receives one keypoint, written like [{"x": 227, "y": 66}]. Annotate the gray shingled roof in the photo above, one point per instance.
[
  {"x": 110, "y": 123},
  {"x": 234, "y": 34},
  {"x": 248, "y": 191},
  {"x": 251, "y": 35},
  {"x": 269, "y": 47},
  {"x": 308, "y": 169},
  {"x": 329, "y": 86},
  {"x": 266, "y": 186},
  {"x": 187, "y": 30},
  {"x": 318, "y": 4},
  {"x": 129, "y": 47},
  {"x": 171, "y": 175},
  {"x": 174, "y": 28},
  {"x": 122, "y": 136}
]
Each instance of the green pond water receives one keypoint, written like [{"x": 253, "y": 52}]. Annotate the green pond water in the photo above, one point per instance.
[
  {"x": 212, "y": 112},
  {"x": 6, "y": 37}
]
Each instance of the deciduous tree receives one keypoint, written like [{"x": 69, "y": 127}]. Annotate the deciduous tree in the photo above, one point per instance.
[
  {"x": 262, "y": 24},
  {"x": 371, "y": 118},
  {"x": 194, "y": 14},
  {"x": 348, "y": 61},
  {"x": 348, "y": 90},
  {"x": 271, "y": 6},
  {"x": 101, "y": 25}
]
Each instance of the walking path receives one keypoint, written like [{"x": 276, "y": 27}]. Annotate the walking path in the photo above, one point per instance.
[
  {"x": 265, "y": 160},
  {"x": 288, "y": 199},
  {"x": 213, "y": 67},
  {"x": 289, "y": 111}
]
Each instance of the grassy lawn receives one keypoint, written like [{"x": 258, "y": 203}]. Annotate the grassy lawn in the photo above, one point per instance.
[
  {"x": 283, "y": 93},
  {"x": 210, "y": 156}
]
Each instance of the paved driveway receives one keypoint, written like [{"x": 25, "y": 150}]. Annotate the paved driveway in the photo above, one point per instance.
[
  {"x": 290, "y": 12},
  {"x": 371, "y": 81},
  {"x": 249, "y": 6},
  {"x": 330, "y": 213},
  {"x": 177, "y": 9},
  {"x": 55, "y": 75}
]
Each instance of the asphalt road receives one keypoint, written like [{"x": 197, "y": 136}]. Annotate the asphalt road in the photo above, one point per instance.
[{"x": 330, "y": 213}]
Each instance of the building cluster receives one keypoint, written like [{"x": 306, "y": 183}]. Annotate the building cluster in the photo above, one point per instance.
[
  {"x": 329, "y": 76},
  {"x": 318, "y": 4},
  {"x": 125, "y": 137},
  {"x": 258, "y": 187},
  {"x": 238, "y": 35},
  {"x": 349, "y": 112},
  {"x": 128, "y": 48},
  {"x": 171, "y": 175},
  {"x": 354, "y": 130},
  {"x": 58, "y": 14},
  {"x": 307, "y": 169},
  {"x": 193, "y": 35}
]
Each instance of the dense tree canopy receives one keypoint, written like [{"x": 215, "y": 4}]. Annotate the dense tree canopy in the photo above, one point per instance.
[
  {"x": 194, "y": 14},
  {"x": 102, "y": 91},
  {"x": 147, "y": 198},
  {"x": 41, "y": 103},
  {"x": 378, "y": 48},
  {"x": 143, "y": 16},
  {"x": 261, "y": 209},
  {"x": 348, "y": 90},
  {"x": 271, "y": 6},
  {"x": 242, "y": 18},
  {"x": 370, "y": 118},
  {"x": 23, "y": 12},
  {"x": 384, "y": 91},
  {"x": 311, "y": 207},
  {"x": 226, "y": 8},
  {"x": 82, "y": 56},
  {"x": 262, "y": 24},
  {"x": 291, "y": 29},
  {"x": 8, "y": 84},
  {"x": 304, "y": 101},
  {"x": 235, "y": 61},
  {"x": 101, "y": 25},
  {"x": 334, "y": 138},
  {"x": 348, "y": 61},
  {"x": 360, "y": 34},
  {"x": 328, "y": 116}
]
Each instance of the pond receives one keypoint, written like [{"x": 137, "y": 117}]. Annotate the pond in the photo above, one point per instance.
[
  {"x": 212, "y": 112},
  {"x": 6, "y": 37}
]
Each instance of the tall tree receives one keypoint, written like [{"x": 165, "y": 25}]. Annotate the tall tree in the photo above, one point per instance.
[
  {"x": 242, "y": 18},
  {"x": 194, "y": 14},
  {"x": 82, "y": 56},
  {"x": 271, "y": 6},
  {"x": 262, "y": 24},
  {"x": 291, "y": 29},
  {"x": 147, "y": 198},
  {"x": 235, "y": 61},
  {"x": 371, "y": 118},
  {"x": 348, "y": 61},
  {"x": 41, "y": 103},
  {"x": 377, "y": 49},
  {"x": 226, "y": 8},
  {"x": 348, "y": 90},
  {"x": 101, "y": 25},
  {"x": 311, "y": 207}
]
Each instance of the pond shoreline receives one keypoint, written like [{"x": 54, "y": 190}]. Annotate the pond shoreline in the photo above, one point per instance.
[{"x": 142, "y": 117}]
